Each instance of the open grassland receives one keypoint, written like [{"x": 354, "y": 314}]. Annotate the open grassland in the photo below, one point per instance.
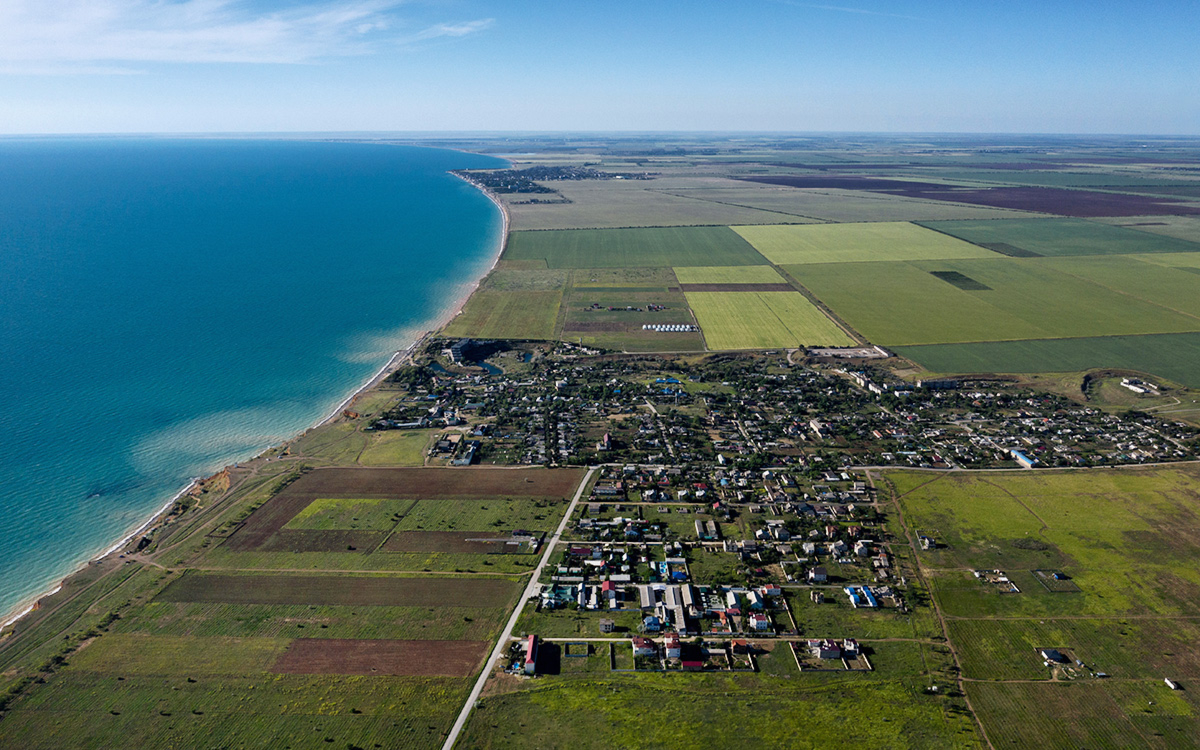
[
  {"x": 396, "y": 448},
  {"x": 1060, "y": 237},
  {"x": 85, "y": 709},
  {"x": 497, "y": 514},
  {"x": 505, "y": 279},
  {"x": 140, "y": 654},
  {"x": 898, "y": 304},
  {"x": 364, "y": 591},
  {"x": 1129, "y": 539},
  {"x": 379, "y": 657},
  {"x": 1133, "y": 648},
  {"x": 846, "y": 243},
  {"x": 602, "y": 711},
  {"x": 1085, "y": 715},
  {"x": 1174, "y": 357},
  {"x": 728, "y": 275},
  {"x": 631, "y": 203},
  {"x": 260, "y": 622},
  {"x": 507, "y": 315},
  {"x": 640, "y": 278},
  {"x": 608, "y": 248},
  {"x": 763, "y": 320},
  {"x": 797, "y": 206}
]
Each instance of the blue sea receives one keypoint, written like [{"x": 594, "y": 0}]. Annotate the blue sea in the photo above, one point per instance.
[{"x": 168, "y": 307}]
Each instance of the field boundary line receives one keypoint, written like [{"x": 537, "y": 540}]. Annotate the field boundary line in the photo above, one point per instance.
[{"x": 506, "y": 635}]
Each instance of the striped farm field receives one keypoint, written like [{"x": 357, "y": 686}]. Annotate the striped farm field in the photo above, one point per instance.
[
  {"x": 847, "y": 243},
  {"x": 728, "y": 275},
  {"x": 763, "y": 320}
]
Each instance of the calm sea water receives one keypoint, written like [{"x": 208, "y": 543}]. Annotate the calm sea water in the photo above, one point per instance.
[{"x": 170, "y": 306}]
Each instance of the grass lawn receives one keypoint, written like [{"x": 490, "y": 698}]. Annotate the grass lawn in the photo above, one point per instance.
[
  {"x": 844, "y": 243},
  {"x": 728, "y": 275},
  {"x": 1056, "y": 237},
  {"x": 763, "y": 320},
  {"x": 499, "y": 514},
  {"x": 507, "y": 315},
  {"x": 615, "y": 248},
  {"x": 1174, "y": 357},
  {"x": 346, "y": 513}
]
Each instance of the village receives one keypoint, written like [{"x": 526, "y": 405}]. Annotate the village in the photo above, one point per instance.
[{"x": 546, "y": 405}]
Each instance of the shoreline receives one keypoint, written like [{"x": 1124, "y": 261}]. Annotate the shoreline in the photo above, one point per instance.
[{"x": 30, "y": 604}]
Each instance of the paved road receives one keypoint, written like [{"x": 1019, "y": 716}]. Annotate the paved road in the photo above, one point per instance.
[{"x": 502, "y": 644}]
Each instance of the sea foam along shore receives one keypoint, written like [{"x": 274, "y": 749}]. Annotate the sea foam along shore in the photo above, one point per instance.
[{"x": 397, "y": 359}]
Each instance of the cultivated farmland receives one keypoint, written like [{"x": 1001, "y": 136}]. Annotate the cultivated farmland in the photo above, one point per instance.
[
  {"x": 1055, "y": 237},
  {"x": 757, "y": 320},
  {"x": 508, "y": 315},
  {"x": 1173, "y": 356},
  {"x": 728, "y": 275},
  {"x": 609, "y": 248},
  {"x": 381, "y": 657},
  {"x": 366, "y": 591},
  {"x": 846, "y": 243},
  {"x": 904, "y": 303}
]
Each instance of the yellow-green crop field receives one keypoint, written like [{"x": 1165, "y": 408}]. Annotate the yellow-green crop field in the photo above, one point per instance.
[
  {"x": 728, "y": 275},
  {"x": 847, "y": 243},
  {"x": 763, "y": 320}
]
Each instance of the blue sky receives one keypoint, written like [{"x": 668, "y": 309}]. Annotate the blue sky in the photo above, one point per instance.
[{"x": 740, "y": 65}]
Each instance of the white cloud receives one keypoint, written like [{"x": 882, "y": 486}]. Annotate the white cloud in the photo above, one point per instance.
[{"x": 106, "y": 36}]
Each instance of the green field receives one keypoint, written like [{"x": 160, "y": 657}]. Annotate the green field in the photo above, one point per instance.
[
  {"x": 498, "y": 514},
  {"x": 1125, "y": 537},
  {"x": 626, "y": 711},
  {"x": 396, "y": 448},
  {"x": 728, "y": 275},
  {"x": 898, "y": 304},
  {"x": 82, "y": 708},
  {"x": 508, "y": 315},
  {"x": 1128, "y": 539},
  {"x": 763, "y": 320},
  {"x": 1176, "y": 289},
  {"x": 1175, "y": 357},
  {"x": 347, "y": 513},
  {"x": 846, "y": 243},
  {"x": 1056, "y": 237},
  {"x": 1086, "y": 715},
  {"x": 608, "y": 248}
]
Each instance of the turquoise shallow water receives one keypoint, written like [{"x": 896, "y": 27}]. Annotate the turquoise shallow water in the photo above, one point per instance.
[{"x": 170, "y": 306}]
